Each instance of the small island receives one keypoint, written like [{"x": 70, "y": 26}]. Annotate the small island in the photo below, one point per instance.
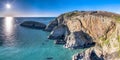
[{"x": 33, "y": 25}]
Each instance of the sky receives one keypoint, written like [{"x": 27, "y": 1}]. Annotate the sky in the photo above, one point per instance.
[{"x": 53, "y": 8}]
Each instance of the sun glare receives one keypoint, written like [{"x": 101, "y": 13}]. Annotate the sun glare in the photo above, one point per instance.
[
  {"x": 8, "y": 18},
  {"x": 9, "y": 31},
  {"x": 8, "y": 23},
  {"x": 8, "y": 6}
]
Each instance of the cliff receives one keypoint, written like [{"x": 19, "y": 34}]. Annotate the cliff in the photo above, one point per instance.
[{"x": 99, "y": 31}]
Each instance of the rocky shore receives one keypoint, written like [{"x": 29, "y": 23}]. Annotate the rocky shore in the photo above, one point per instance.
[{"x": 99, "y": 31}]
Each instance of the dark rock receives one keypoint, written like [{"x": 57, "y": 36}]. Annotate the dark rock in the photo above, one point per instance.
[
  {"x": 55, "y": 37},
  {"x": 87, "y": 55},
  {"x": 89, "y": 45},
  {"x": 51, "y": 25},
  {"x": 93, "y": 56},
  {"x": 58, "y": 32},
  {"x": 77, "y": 56},
  {"x": 33, "y": 25},
  {"x": 60, "y": 42},
  {"x": 49, "y": 58}
]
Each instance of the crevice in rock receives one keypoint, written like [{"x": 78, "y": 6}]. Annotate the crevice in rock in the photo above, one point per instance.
[{"x": 93, "y": 56}]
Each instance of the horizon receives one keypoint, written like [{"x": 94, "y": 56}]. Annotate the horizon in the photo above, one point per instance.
[{"x": 54, "y": 8}]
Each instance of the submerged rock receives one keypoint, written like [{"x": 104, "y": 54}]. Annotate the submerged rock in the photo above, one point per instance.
[
  {"x": 33, "y": 24},
  {"x": 49, "y": 58}
]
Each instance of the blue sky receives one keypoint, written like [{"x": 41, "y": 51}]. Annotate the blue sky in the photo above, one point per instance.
[{"x": 56, "y": 7}]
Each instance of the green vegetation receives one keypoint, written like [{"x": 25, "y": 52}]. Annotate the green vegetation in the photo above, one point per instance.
[
  {"x": 118, "y": 38},
  {"x": 119, "y": 45},
  {"x": 107, "y": 41},
  {"x": 104, "y": 41},
  {"x": 71, "y": 14},
  {"x": 102, "y": 38},
  {"x": 117, "y": 19},
  {"x": 118, "y": 52}
]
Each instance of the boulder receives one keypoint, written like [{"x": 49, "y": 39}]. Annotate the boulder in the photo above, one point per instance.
[{"x": 33, "y": 25}]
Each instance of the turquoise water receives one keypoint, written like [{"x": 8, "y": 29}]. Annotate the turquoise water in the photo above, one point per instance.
[{"x": 19, "y": 43}]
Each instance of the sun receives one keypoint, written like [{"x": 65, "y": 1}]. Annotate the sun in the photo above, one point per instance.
[{"x": 8, "y": 6}]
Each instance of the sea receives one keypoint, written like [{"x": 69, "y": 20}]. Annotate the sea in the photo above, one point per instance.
[{"x": 20, "y": 43}]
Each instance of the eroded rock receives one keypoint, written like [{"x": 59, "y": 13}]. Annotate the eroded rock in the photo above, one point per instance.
[
  {"x": 58, "y": 32},
  {"x": 78, "y": 39}
]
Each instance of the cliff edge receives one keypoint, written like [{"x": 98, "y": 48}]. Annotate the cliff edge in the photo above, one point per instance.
[{"x": 99, "y": 31}]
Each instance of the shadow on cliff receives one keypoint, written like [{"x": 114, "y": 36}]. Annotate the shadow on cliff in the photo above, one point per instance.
[
  {"x": 93, "y": 56},
  {"x": 84, "y": 39}
]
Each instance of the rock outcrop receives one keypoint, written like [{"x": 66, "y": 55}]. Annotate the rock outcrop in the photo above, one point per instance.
[
  {"x": 78, "y": 40},
  {"x": 33, "y": 25},
  {"x": 99, "y": 31},
  {"x": 51, "y": 25},
  {"x": 58, "y": 32}
]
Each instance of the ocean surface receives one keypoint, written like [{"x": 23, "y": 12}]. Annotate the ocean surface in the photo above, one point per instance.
[{"x": 20, "y": 43}]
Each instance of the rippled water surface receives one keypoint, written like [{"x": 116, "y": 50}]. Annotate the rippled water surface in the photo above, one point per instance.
[{"x": 19, "y": 43}]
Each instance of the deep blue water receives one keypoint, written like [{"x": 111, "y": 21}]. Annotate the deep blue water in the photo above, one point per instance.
[{"x": 19, "y": 43}]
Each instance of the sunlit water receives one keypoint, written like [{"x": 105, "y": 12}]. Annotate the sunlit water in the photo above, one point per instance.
[{"x": 19, "y": 43}]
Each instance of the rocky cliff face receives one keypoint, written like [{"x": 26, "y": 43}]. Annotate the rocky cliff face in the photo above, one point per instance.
[{"x": 99, "y": 31}]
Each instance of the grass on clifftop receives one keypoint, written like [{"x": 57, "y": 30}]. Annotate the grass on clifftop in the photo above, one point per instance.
[
  {"x": 117, "y": 19},
  {"x": 103, "y": 41},
  {"x": 119, "y": 45},
  {"x": 71, "y": 14}
]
